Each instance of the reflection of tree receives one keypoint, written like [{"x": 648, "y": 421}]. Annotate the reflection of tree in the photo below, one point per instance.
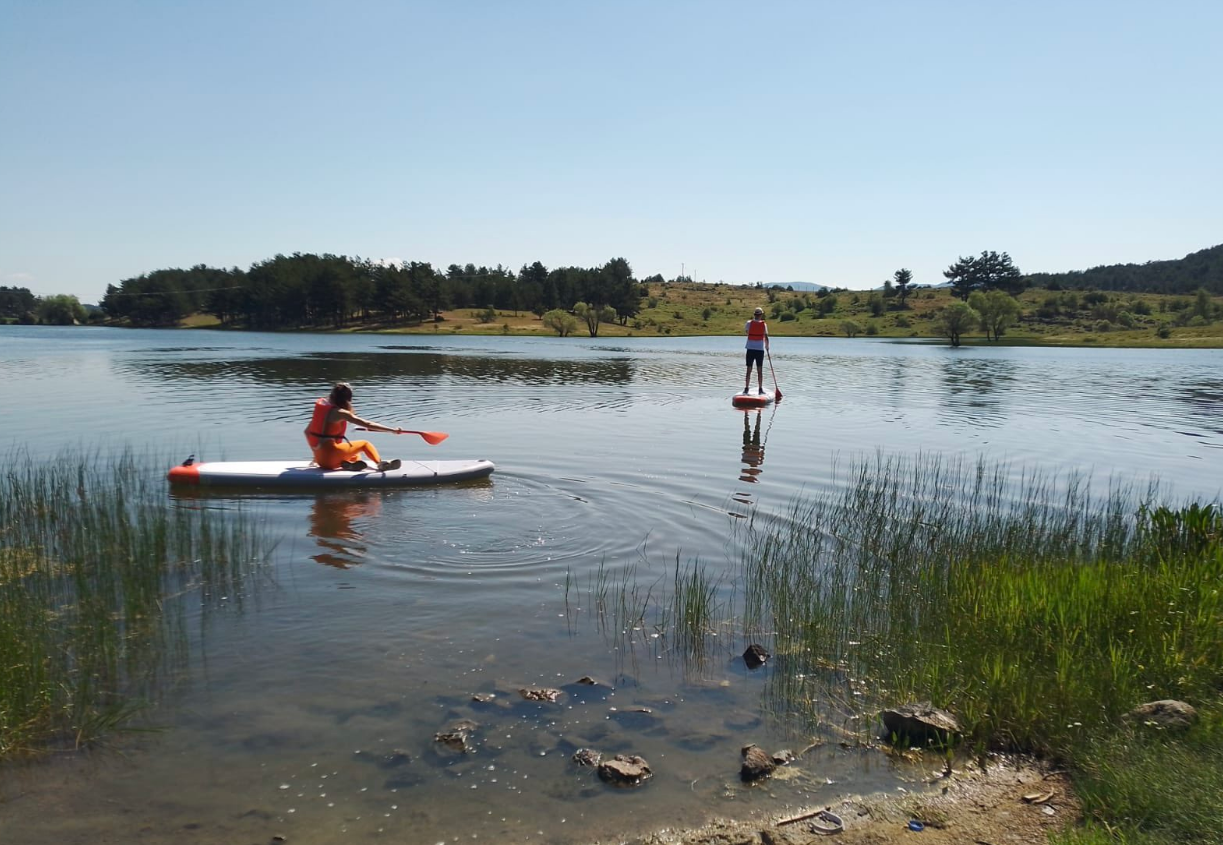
[
  {"x": 365, "y": 368},
  {"x": 975, "y": 387},
  {"x": 331, "y": 522},
  {"x": 1204, "y": 398}
]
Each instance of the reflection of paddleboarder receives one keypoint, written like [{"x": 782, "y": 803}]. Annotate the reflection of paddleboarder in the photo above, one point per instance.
[
  {"x": 331, "y": 523},
  {"x": 753, "y": 450}
]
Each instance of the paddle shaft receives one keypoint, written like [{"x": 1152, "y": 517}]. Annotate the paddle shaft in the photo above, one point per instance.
[
  {"x": 772, "y": 372},
  {"x": 430, "y": 437}
]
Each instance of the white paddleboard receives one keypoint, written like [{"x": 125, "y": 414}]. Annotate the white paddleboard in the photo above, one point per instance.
[{"x": 307, "y": 474}]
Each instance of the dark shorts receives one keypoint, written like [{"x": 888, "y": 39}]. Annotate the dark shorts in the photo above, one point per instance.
[{"x": 756, "y": 355}]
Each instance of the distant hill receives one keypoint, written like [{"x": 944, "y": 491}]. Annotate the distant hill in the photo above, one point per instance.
[
  {"x": 1202, "y": 269},
  {"x": 808, "y": 286}
]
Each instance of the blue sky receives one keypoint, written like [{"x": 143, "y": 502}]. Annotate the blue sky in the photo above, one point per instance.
[{"x": 784, "y": 141}]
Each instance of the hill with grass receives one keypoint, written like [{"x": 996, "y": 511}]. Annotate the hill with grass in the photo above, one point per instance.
[{"x": 1045, "y": 317}]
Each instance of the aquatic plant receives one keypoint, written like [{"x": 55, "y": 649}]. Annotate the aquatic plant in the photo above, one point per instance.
[
  {"x": 1031, "y": 607},
  {"x": 95, "y": 561},
  {"x": 678, "y": 618}
]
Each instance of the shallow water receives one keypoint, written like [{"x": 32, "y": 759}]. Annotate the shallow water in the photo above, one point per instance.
[{"x": 389, "y": 609}]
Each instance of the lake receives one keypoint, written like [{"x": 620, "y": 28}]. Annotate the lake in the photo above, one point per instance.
[{"x": 308, "y": 709}]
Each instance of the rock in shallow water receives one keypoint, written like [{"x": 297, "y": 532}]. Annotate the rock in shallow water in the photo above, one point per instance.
[
  {"x": 756, "y": 763},
  {"x": 755, "y": 656},
  {"x": 920, "y": 724},
  {"x": 625, "y": 770},
  {"x": 458, "y": 735},
  {"x": 540, "y": 694},
  {"x": 587, "y": 757}
]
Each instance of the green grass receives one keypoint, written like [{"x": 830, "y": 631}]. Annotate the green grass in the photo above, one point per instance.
[
  {"x": 1035, "y": 611},
  {"x": 1048, "y": 318},
  {"x": 1146, "y": 788},
  {"x": 94, "y": 561}
]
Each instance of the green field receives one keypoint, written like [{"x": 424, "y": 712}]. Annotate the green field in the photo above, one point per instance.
[{"x": 1047, "y": 318}]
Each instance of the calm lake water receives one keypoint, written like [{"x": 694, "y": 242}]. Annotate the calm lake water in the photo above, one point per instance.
[{"x": 384, "y": 611}]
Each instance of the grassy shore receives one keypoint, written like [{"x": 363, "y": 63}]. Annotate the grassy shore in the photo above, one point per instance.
[
  {"x": 1038, "y": 613},
  {"x": 1048, "y": 318},
  {"x": 94, "y": 563}
]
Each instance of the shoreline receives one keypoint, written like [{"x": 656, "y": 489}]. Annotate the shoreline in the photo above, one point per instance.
[
  {"x": 1015, "y": 799},
  {"x": 1015, "y": 341}
]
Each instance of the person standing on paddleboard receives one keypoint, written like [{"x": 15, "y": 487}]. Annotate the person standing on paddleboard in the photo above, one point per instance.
[
  {"x": 757, "y": 342},
  {"x": 325, "y": 434}
]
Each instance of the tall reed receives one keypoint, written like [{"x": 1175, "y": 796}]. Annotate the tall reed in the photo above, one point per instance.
[
  {"x": 1028, "y": 605},
  {"x": 94, "y": 561}
]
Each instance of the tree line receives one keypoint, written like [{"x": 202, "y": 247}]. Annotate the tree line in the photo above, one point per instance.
[
  {"x": 1201, "y": 269},
  {"x": 303, "y": 290},
  {"x": 21, "y": 306}
]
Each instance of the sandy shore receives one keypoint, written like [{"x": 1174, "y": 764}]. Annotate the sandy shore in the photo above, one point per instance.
[{"x": 1012, "y": 801}]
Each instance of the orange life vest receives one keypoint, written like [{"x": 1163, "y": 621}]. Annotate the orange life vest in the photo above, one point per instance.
[
  {"x": 318, "y": 430},
  {"x": 755, "y": 330}
]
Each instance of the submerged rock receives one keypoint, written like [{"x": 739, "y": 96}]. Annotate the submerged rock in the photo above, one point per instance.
[
  {"x": 755, "y": 656},
  {"x": 539, "y": 694},
  {"x": 920, "y": 724},
  {"x": 587, "y": 757},
  {"x": 625, "y": 770},
  {"x": 398, "y": 757},
  {"x": 1166, "y": 714},
  {"x": 458, "y": 735},
  {"x": 383, "y": 759},
  {"x": 756, "y": 763}
]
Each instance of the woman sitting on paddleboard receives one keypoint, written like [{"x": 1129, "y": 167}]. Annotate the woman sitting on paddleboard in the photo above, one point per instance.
[
  {"x": 325, "y": 434},
  {"x": 757, "y": 341}
]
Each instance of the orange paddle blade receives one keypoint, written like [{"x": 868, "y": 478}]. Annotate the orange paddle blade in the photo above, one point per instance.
[{"x": 431, "y": 437}]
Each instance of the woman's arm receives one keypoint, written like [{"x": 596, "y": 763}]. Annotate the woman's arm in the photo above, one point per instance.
[{"x": 372, "y": 426}]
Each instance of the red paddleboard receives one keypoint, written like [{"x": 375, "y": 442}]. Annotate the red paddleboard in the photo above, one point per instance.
[{"x": 752, "y": 400}]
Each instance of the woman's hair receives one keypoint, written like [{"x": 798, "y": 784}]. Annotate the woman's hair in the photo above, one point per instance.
[{"x": 341, "y": 395}]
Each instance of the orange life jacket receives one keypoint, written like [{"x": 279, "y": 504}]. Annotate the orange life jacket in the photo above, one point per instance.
[
  {"x": 318, "y": 430},
  {"x": 756, "y": 330}
]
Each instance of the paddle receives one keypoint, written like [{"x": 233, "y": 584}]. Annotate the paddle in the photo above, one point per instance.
[
  {"x": 775, "y": 387},
  {"x": 430, "y": 437}
]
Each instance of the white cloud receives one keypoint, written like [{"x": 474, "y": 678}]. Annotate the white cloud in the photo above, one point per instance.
[{"x": 15, "y": 279}]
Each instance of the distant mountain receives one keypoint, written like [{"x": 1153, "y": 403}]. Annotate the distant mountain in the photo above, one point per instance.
[
  {"x": 1201, "y": 269},
  {"x": 808, "y": 286}
]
